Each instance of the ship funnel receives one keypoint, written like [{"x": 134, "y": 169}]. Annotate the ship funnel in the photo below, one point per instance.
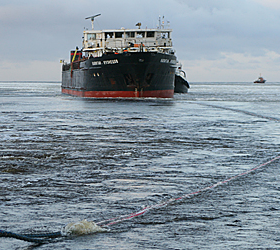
[{"x": 92, "y": 19}]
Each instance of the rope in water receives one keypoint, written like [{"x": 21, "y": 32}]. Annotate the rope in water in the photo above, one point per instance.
[
  {"x": 159, "y": 205},
  {"x": 35, "y": 238},
  {"x": 43, "y": 238},
  {"x": 240, "y": 111}
]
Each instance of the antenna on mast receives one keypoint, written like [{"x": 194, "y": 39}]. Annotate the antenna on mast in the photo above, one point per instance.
[{"x": 92, "y": 19}]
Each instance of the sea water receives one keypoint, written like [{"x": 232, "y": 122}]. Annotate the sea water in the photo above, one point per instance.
[{"x": 71, "y": 161}]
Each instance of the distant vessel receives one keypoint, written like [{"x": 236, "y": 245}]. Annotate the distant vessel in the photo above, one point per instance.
[
  {"x": 181, "y": 83},
  {"x": 260, "y": 80},
  {"x": 122, "y": 63}
]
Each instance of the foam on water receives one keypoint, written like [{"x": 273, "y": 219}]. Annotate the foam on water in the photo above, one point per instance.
[{"x": 81, "y": 227}]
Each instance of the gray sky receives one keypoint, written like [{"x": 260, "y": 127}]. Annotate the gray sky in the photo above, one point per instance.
[{"x": 216, "y": 40}]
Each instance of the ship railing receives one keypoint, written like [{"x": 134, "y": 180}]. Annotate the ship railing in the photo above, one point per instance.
[{"x": 99, "y": 51}]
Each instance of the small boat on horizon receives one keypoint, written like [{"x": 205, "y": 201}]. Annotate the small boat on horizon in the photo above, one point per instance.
[{"x": 260, "y": 80}]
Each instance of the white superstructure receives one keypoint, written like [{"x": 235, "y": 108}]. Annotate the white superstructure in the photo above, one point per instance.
[{"x": 97, "y": 42}]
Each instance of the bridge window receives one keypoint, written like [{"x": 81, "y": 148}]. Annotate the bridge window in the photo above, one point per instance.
[
  {"x": 140, "y": 34},
  {"x": 119, "y": 34},
  {"x": 109, "y": 35},
  {"x": 91, "y": 36},
  {"x": 150, "y": 33},
  {"x": 130, "y": 34}
]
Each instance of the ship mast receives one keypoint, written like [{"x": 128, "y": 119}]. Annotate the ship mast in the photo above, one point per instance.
[
  {"x": 92, "y": 19},
  {"x": 161, "y": 22}
]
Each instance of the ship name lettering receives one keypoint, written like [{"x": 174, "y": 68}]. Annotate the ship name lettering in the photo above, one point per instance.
[
  {"x": 96, "y": 63},
  {"x": 164, "y": 60},
  {"x": 114, "y": 61}
]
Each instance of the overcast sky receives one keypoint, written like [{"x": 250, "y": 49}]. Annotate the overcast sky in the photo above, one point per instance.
[{"x": 216, "y": 40}]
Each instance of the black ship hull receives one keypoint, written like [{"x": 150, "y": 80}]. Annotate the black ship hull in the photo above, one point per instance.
[
  {"x": 257, "y": 81},
  {"x": 138, "y": 74},
  {"x": 181, "y": 85}
]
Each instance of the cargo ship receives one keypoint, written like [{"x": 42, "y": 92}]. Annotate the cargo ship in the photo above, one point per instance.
[{"x": 122, "y": 63}]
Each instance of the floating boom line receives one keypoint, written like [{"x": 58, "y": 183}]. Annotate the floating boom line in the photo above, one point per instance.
[{"x": 45, "y": 238}]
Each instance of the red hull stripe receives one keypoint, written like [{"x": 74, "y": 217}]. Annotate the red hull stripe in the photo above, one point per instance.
[{"x": 114, "y": 94}]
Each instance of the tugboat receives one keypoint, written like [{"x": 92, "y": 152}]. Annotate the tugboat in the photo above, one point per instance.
[
  {"x": 122, "y": 63},
  {"x": 181, "y": 83},
  {"x": 260, "y": 80}
]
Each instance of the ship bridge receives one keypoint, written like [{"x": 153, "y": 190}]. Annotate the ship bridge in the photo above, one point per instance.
[{"x": 97, "y": 42}]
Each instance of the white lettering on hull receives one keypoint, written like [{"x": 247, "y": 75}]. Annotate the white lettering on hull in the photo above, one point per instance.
[
  {"x": 168, "y": 61},
  {"x": 114, "y": 61},
  {"x": 96, "y": 63},
  {"x": 107, "y": 62}
]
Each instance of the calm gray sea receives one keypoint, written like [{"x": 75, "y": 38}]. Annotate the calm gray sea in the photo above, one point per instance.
[{"x": 64, "y": 159}]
